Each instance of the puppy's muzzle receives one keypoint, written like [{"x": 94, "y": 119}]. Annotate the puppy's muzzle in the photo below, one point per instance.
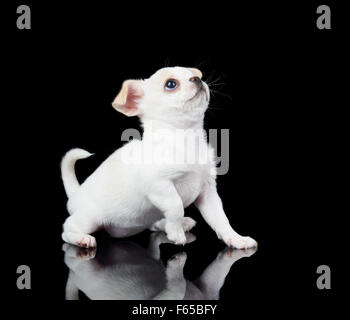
[
  {"x": 200, "y": 87},
  {"x": 197, "y": 81}
]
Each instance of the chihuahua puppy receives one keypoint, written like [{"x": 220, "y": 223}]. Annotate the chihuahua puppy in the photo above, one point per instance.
[{"x": 127, "y": 194}]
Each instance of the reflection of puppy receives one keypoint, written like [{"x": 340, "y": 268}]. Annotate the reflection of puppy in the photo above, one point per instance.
[
  {"x": 125, "y": 271},
  {"x": 126, "y": 197}
]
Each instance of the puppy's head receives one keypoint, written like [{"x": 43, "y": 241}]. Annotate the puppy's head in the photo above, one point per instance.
[{"x": 171, "y": 94}]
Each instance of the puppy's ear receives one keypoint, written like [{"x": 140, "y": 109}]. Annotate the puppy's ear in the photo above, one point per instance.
[
  {"x": 128, "y": 98},
  {"x": 196, "y": 72}
]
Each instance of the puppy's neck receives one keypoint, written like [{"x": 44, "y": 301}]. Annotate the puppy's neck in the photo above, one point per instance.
[
  {"x": 156, "y": 124},
  {"x": 158, "y": 129}
]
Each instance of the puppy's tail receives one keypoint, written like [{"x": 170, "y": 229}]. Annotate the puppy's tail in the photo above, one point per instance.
[{"x": 70, "y": 181}]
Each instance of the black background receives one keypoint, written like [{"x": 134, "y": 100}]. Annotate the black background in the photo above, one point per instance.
[{"x": 282, "y": 97}]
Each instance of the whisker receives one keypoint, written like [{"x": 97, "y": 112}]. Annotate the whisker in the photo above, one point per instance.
[
  {"x": 210, "y": 77},
  {"x": 198, "y": 64},
  {"x": 214, "y": 81},
  {"x": 209, "y": 110},
  {"x": 220, "y": 93},
  {"x": 216, "y": 84},
  {"x": 167, "y": 62}
]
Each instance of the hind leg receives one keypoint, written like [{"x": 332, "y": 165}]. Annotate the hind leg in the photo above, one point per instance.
[{"x": 77, "y": 229}]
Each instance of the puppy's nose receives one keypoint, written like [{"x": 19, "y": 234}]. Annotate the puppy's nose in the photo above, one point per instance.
[{"x": 196, "y": 80}]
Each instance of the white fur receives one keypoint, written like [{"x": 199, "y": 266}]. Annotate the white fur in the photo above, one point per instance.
[
  {"x": 126, "y": 194},
  {"x": 70, "y": 181}
]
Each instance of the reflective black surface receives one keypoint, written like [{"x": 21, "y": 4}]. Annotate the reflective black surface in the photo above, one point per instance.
[{"x": 119, "y": 270}]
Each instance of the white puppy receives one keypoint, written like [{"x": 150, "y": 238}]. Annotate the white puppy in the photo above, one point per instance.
[{"x": 128, "y": 193}]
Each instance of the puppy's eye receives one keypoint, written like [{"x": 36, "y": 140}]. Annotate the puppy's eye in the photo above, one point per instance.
[{"x": 171, "y": 84}]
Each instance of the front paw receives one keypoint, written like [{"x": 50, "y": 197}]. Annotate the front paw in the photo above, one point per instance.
[
  {"x": 175, "y": 233},
  {"x": 161, "y": 237},
  {"x": 87, "y": 241},
  {"x": 177, "y": 238},
  {"x": 239, "y": 242}
]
